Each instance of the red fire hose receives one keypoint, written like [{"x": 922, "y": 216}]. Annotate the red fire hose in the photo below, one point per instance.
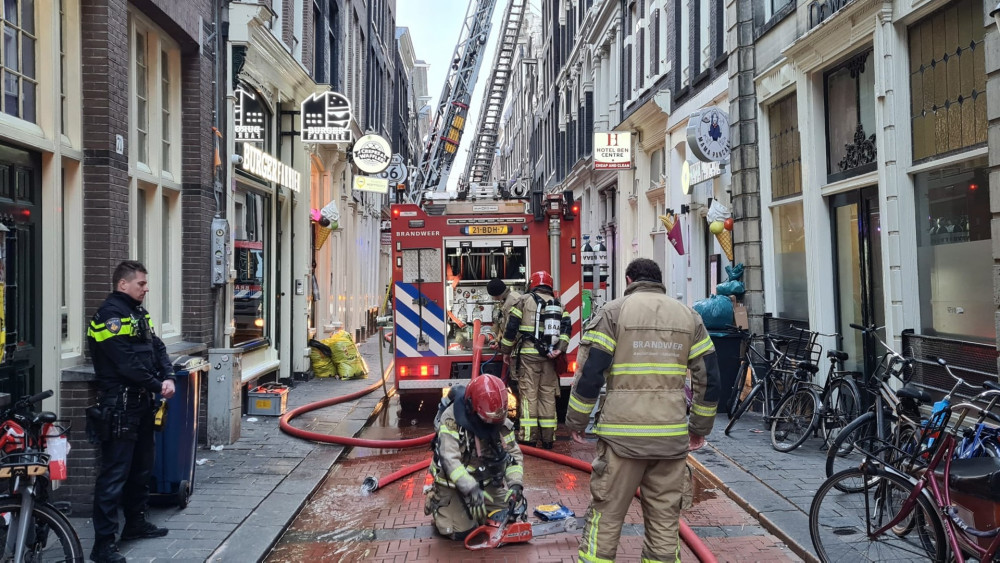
[{"x": 372, "y": 484}]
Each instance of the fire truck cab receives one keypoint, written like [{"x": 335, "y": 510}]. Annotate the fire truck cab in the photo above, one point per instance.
[{"x": 444, "y": 253}]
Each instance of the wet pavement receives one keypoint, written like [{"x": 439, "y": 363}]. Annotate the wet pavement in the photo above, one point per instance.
[{"x": 342, "y": 523}]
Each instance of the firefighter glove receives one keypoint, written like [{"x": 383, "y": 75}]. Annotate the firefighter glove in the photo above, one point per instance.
[
  {"x": 515, "y": 494},
  {"x": 475, "y": 502}
]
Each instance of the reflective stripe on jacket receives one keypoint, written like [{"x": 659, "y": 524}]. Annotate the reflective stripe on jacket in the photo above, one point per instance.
[
  {"x": 456, "y": 461},
  {"x": 653, "y": 340},
  {"x": 521, "y": 325}
]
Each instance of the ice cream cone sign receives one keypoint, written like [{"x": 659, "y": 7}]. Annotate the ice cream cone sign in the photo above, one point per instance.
[
  {"x": 718, "y": 218},
  {"x": 674, "y": 234}
]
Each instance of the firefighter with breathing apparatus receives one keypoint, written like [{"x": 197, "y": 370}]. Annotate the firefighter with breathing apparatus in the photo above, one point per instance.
[
  {"x": 477, "y": 466},
  {"x": 536, "y": 338}
]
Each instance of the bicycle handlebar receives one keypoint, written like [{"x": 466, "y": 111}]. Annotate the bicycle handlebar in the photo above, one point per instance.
[{"x": 37, "y": 398}]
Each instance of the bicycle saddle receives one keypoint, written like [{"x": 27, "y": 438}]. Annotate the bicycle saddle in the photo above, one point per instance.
[
  {"x": 911, "y": 392},
  {"x": 837, "y": 355},
  {"x": 45, "y": 417},
  {"x": 808, "y": 366},
  {"x": 978, "y": 476}
]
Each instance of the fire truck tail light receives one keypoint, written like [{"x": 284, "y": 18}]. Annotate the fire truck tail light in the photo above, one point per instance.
[
  {"x": 572, "y": 366},
  {"x": 428, "y": 370},
  {"x": 403, "y": 370}
]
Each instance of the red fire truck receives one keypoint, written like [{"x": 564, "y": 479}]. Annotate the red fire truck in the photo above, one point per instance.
[{"x": 443, "y": 255}]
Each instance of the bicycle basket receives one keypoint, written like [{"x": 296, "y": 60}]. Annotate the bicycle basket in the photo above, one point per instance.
[{"x": 23, "y": 464}]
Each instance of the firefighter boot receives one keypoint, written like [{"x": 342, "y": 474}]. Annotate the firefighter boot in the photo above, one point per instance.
[
  {"x": 106, "y": 551},
  {"x": 547, "y": 445},
  {"x": 137, "y": 527}
]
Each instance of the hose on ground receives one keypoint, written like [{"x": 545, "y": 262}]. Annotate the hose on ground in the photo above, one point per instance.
[{"x": 372, "y": 484}]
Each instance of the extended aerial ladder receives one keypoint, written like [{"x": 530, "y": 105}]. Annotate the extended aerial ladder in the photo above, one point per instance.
[
  {"x": 453, "y": 105},
  {"x": 484, "y": 145}
]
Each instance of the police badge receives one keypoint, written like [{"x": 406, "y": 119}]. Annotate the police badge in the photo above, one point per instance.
[{"x": 113, "y": 325}]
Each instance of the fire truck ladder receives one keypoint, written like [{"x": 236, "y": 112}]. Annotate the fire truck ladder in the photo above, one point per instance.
[
  {"x": 449, "y": 119},
  {"x": 487, "y": 132}
]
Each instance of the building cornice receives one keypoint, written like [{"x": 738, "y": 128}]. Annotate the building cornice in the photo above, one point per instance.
[
  {"x": 775, "y": 79},
  {"x": 832, "y": 38},
  {"x": 269, "y": 65}
]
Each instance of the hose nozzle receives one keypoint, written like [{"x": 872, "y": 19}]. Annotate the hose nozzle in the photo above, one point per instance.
[{"x": 370, "y": 485}]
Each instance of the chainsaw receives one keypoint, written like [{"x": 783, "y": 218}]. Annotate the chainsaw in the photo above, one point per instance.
[{"x": 510, "y": 525}]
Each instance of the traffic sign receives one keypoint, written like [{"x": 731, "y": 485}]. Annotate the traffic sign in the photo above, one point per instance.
[{"x": 396, "y": 172}]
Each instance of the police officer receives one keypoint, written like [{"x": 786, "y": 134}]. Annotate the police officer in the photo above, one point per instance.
[
  {"x": 131, "y": 365},
  {"x": 642, "y": 345},
  {"x": 477, "y": 466},
  {"x": 533, "y": 355}
]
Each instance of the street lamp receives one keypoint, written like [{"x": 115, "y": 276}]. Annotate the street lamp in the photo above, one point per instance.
[{"x": 995, "y": 14}]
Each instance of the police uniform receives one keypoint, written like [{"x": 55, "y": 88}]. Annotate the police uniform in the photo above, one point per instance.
[
  {"x": 460, "y": 465},
  {"x": 537, "y": 380},
  {"x": 642, "y": 346},
  {"x": 130, "y": 362}
]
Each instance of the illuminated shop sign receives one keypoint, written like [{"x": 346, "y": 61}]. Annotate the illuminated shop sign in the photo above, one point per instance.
[{"x": 263, "y": 165}]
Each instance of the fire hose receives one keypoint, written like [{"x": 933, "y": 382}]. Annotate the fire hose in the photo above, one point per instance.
[{"x": 372, "y": 484}]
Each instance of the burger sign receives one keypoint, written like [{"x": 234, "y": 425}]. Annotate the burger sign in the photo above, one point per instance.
[{"x": 371, "y": 154}]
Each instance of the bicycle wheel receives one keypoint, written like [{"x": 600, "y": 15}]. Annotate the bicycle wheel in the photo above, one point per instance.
[
  {"x": 852, "y": 444},
  {"x": 840, "y": 524},
  {"x": 53, "y": 538},
  {"x": 756, "y": 395},
  {"x": 841, "y": 405},
  {"x": 794, "y": 419},
  {"x": 737, "y": 390}
]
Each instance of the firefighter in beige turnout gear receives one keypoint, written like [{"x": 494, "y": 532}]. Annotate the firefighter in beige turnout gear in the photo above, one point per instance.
[
  {"x": 642, "y": 345},
  {"x": 477, "y": 466},
  {"x": 534, "y": 357}
]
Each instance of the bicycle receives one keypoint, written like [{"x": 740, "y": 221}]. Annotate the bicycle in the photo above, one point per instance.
[
  {"x": 901, "y": 514},
  {"x": 797, "y": 416},
  {"x": 791, "y": 364},
  {"x": 31, "y": 528}
]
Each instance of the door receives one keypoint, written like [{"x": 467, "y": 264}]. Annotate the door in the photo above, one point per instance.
[{"x": 858, "y": 267}]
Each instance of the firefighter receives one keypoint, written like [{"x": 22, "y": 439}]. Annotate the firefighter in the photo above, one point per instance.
[
  {"x": 477, "y": 466},
  {"x": 536, "y": 335},
  {"x": 506, "y": 297},
  {"x": 642, "y": 345}
]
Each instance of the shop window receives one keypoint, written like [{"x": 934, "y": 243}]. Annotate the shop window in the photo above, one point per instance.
[
  {"x": 791, "y": 288},
  {"x": 251, "y": 303},
  {"x": 954, "y": 252},
  {"x": 948, "y": 80},
  {"x": 17, "y": 59},
  {"x": 850, "y": 117},
  {"x": 786, "y": 155}
]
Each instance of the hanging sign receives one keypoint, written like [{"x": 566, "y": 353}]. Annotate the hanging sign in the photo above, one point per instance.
[
  {"x": 263, "y": 165},
  {"x": 371, "y": 154},
  {"x": 396, "y": 172},
  {"x": 371, "y": 184},
  {"x": 708, "y": 135},
  {"x": 612, "y": 151},
  {"x": 326, "y": 119},
  {"x": 248, "y": 118}
]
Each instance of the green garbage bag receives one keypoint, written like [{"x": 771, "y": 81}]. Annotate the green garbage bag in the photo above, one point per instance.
[
  {"x": 321, "y": 359},
  {"x": 350, "y": 364}
]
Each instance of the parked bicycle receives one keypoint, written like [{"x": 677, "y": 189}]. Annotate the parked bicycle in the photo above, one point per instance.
[
  {"x": 790, "y": 364},
  {"x": 31, "y": 528},
  {"x": 944, "y": 508}
]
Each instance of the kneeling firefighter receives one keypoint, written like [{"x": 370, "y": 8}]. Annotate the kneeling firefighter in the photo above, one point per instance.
[
  {"x": 535, "y": 340},
  {"x": 477, "y": 465}
]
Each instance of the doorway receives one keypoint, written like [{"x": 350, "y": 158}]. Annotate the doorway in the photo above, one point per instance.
[{"x": 858, "y": 266}]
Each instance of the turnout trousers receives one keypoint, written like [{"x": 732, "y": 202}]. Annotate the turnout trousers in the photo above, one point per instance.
[
  {"x": 663, "y": 483},
  {"x": 538, "y": 385},
  {"x": 447, "y": 508}
]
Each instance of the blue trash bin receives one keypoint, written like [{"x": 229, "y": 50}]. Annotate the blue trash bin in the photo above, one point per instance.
[{"x": 173, "y": 468}]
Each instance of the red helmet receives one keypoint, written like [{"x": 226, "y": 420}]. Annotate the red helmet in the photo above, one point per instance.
[
  {"x": 488, "y": 397},
  {"x": 540, "y": 277}
]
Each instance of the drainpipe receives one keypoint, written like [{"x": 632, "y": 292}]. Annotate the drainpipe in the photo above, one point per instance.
[{"x": 554, "y": 254}]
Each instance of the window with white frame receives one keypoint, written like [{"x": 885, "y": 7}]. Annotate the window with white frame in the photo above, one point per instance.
[
  {"x": 62, "y": 66},
  {"x": 155, "y": 125},
  {"x": 684, "y": 42},
  {"x": 17, "y": 59},
  {"x": 704, "y": 36}
]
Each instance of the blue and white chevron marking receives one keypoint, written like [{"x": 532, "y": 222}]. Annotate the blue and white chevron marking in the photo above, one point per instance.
[{"x": 408, "y": 324}]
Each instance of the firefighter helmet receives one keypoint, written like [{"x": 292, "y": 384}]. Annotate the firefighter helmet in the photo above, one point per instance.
[
  {"x": 538, "y": 278},
  {"x": 487, "y": 396}
]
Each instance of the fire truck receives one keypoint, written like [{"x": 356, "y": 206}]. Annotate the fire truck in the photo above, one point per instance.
[{"x": 443, "y": 255}]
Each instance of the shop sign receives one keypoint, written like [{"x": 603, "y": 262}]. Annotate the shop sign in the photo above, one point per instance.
[
  {"x": 612, "y": 151},
  {"x": 386, "y": 238},
  {"x": 248, "y": 118},
  {"x": 708, "y": 135},
  {"x": 370, "y": 184},
  {"x": 705, "y": 171},
  {"x": 263, "y": 165},
  {"x": 820, "y": 10},
  {"x": 371, "y": 154},
  {"x": 396, "y": 172},
  {"x": 326, "y": 119}
]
